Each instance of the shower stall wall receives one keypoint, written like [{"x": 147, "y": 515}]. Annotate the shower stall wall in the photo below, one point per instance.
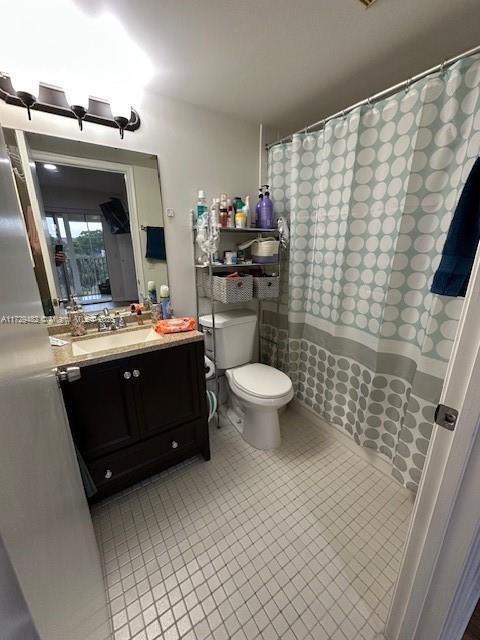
[{"x": 370, "y": 198}]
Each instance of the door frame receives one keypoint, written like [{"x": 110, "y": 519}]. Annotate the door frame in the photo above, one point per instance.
[
  {"x": 441, "y": 559},
  {"x": 25, "y": 153},
  {"x": 114, "y": 167}
]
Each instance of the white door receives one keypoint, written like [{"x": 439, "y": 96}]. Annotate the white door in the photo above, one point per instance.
[
  {"x": 45, "y": 522},
  {"x": 444, "y": 530}
]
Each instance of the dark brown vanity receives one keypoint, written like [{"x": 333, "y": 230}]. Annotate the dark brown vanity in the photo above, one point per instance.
[{"x": 134, "y": 416}]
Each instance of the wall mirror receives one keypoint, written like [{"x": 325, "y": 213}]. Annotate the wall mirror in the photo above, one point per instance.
[{"x": 94, "y": 221}]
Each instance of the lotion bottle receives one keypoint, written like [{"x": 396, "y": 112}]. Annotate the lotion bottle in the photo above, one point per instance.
[{"x": 165, "y": 302}]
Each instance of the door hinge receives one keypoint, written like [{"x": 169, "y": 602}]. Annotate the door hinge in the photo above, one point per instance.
[
  {"x": 446, "y": 417},
  {"x": 69, "y": 374}
]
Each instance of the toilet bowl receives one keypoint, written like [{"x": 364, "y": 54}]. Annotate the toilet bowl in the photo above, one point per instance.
[{"x": 258, "y": 392}]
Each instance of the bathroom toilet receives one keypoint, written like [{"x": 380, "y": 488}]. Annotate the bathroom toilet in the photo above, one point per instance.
[{"x": 257, "y": 391}]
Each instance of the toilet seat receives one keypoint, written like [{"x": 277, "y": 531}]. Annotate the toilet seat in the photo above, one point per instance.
[{"x": 260, "y": 381}]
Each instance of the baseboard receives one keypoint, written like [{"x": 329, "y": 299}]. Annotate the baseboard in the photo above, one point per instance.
[{"x": 335, "y": 432}]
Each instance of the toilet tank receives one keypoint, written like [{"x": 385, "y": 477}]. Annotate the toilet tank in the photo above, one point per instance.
[{"x": 235, "y": 337}]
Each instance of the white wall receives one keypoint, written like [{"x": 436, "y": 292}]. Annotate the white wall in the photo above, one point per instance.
[{"x": 196, "y": 148}]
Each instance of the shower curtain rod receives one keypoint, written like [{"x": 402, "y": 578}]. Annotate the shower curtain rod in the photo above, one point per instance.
[{"x": 376, "y": 97}]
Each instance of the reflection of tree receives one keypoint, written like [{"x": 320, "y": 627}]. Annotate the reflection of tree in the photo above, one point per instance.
[{"x": 89, "y": 243}]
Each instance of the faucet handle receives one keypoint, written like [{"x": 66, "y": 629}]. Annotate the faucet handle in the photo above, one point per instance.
[
  {"x": 119, "y": 321},
  {"x": 100, "y": 321}
]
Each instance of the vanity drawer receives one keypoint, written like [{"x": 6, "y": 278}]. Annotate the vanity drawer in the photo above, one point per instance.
[{"x": 118, "y": 470}]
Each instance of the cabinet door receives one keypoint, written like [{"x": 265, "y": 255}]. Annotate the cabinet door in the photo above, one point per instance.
[
  {"x": 101, "y": 408},
  {"x": 167, "y": 388}
]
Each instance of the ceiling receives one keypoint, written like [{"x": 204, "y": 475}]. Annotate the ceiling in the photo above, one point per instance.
[
  {"x": 290, "y": 62},
  {"x": 67, "y": 177}
]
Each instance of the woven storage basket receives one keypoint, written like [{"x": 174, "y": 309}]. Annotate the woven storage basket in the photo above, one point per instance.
[
  {"x": 229, "y": 290},
  {"x": 266, "y": 288}
]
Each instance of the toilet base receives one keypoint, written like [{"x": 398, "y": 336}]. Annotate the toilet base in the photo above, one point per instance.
[
  {"x": 236, "y": 419},
  {"x": 259, "y": 426}
]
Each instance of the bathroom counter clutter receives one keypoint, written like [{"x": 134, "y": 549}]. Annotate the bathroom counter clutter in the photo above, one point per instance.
[{"x": 96, "y": 347}]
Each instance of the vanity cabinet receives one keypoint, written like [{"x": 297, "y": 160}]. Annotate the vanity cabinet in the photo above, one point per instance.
[{"x": 134, "y": 416}]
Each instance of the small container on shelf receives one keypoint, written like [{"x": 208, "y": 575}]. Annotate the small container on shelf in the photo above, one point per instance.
[
  {"x": 230, "y": 257},
  {"x": 228, "y": 288},
  {"x": 266, "y": 287},
  {"x": 264, "y": 250}
]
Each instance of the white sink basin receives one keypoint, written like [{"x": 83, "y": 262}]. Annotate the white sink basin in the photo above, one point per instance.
[{"x": 113, "y": 340}]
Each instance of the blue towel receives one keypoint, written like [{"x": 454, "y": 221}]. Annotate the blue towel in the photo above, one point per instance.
[
  {"x": 155, "y": 243},
  {"x": 458, "y": 255}
]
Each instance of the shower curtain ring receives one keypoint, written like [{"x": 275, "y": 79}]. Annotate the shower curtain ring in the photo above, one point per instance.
[
  {"x": 407, "y": 85},
  {"x": 442, "y": 68},
  {"x": 369, "y": 103}
]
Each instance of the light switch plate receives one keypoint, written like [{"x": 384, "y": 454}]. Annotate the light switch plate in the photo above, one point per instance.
[{"x": 170, "y": 212}]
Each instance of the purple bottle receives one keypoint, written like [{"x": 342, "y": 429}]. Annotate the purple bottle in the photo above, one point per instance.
[
  {"x": 265, "y": 213},
  {"x": 256, "y": 222}
]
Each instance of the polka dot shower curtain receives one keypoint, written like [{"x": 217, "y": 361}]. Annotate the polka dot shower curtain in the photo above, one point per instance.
[{"x": 370, "y": 198}]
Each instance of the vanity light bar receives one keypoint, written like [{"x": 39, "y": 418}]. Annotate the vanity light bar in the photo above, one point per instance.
[{"x": 53, "y": 100}]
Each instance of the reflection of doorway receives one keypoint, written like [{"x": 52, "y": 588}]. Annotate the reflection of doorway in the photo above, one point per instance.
[
  {"x": 99, "y": 267},
  {"x": 84, "y": 274}
]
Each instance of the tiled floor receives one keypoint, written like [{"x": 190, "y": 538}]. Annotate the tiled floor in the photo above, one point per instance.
[{"x": 301, "y": 542}]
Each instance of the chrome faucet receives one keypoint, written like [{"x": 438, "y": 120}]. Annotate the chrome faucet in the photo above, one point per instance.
[{"x": 105, "y": 323}]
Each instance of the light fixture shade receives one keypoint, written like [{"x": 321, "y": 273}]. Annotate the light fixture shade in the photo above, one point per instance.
[
  {"x": 77, "y": 95},
  {"x": 24, "y": 81},
  {"x": 121, "y": 107}
]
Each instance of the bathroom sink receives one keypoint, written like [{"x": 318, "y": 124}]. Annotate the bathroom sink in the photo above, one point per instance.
[{"x": 113, "y": 340}]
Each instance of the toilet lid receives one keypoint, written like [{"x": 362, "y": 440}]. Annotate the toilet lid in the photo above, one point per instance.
[{"x": 262, "y": 381}]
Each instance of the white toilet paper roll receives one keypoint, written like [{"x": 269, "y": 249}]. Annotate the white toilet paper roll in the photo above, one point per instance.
[{"x": 209, "y": 368}]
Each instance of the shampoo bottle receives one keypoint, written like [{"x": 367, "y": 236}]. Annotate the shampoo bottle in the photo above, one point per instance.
[
  {"x": 165, "y": 302},
  {"x": 223, "y": 215},
  {"x": 201, "y": 206},
  {"x": 247, "y": 212},
  {"x": 265, "y": 218},
  {"x": 256, "y": 222},
  {"x": 230, "y": 215}
]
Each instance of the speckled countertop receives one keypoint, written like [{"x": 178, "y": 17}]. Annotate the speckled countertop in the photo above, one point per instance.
[{"x": 64, "y": 356}]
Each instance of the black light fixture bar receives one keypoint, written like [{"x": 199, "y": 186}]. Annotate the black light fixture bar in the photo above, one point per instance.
[{"x": 53, "y": 100}]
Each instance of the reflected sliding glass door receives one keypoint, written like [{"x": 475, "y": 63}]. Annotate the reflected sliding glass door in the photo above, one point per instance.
[{"x": 84, "y": 273}]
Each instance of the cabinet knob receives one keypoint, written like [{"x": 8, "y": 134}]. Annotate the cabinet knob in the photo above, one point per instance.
[
  {"x": 108, "y": 474},
  {"x": 127, "y": 375},
  {"x": 174, "y": 444},
  {"x": 136, "y": 373}
]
